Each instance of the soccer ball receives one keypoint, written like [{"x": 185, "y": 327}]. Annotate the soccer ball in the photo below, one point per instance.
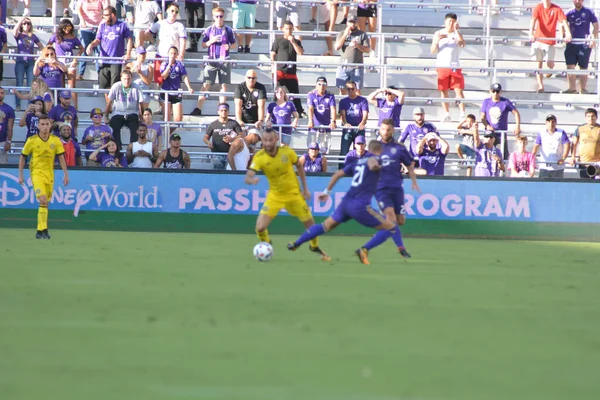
[{"x": 263, "y": 251}]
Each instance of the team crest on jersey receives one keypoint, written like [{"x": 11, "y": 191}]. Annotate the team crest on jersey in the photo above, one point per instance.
[
  {"x": 52, "y": 146},
  {"x": 284, "y": 159},
  {"x": 381, "y": 205},
  {"x": 255, "y": 93},
  {"x": 583, "y": 15},
  {"x": 38, "y": 191},
  {"x": 265, "y": 208},
  {"x": 425, "y": 130}
]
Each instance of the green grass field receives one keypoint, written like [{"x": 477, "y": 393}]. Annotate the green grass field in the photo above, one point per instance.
[{"x": 116, "y": 315}]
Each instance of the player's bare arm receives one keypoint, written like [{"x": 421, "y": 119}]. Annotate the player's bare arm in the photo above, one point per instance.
[
  {"x": 413, "y": 177},
  {"x": 22, "y": 160},
  {"x": 334, "y": 178},
  {"x": 251, "y": 178},
  {"x": 373, "y": 164},
  {"x": 63, "y": 166}
]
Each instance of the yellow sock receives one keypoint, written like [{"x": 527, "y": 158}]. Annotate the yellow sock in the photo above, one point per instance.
[
  {"x": 314, "y": 242},
  {"x": 42, "y": 218},
  {"x": 263, "y": 236}
]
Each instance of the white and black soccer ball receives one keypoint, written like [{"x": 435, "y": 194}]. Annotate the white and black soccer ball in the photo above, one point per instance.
[{"x": 263, "y": 251}]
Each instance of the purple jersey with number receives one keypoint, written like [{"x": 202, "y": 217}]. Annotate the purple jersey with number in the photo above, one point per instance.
[
  {"x": 416, "y": 133},
  {"x": 282, "y": 115},
  {"x": 60, "y": 114},
  {"x": 389, "y": 191},
  {"x": 108, "y": 160},
  {"x": 354, "y": 109},
  {"x": 217, "y": 50},
  {"x": 112, "y": 40},
  {"x": 67, "y": 47},
  {"x": 53, "y": 76},
  {"x": 496, "y": 112},
  {"x": 352, "y": 156},
  {"x": 387, "y": 110},
  {"x": 432, "y": 161},
  {"x": 6, "y": 114},
  {"x": 25, "y": 45},
  {"x": 322, "y": 107},
  {"x": 177, "y": 72},
  {"x": 579, "y": 22},
  {"x": 99, "y": 135}
]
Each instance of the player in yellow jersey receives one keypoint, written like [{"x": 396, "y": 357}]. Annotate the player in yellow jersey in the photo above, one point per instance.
[
  {"x": 277, "y": 163},
  {"x": 43, "y": 149}
]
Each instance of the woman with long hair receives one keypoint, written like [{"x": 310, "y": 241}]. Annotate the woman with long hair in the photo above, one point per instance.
[
  {"x": 50, "y": 69},
  {"x": 38, "y": 88},
  {"x": 26, "y": 42},
  {"x": 173, "y": 72},
  {"x": 67, "y": 45},
  {"x": 281, "y": 112},
  {"x": 32, "y": 115},
  {"x": 111, "y": 157}
]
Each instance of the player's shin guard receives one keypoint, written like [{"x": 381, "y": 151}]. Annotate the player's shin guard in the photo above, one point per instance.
[
  {"x": 397, "y": 236},
  {"x": 311, "y": 234},
  {"x": 42, "y": 218},
  {"x": 380, "y": 237},
  {"x": 263, "y": 236}
]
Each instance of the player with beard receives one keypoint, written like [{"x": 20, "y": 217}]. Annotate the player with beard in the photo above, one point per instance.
[
  {"x": 390, "y": 193},
  {"x": 174, "y": 157},
  {"x": 277, "y": 163}
]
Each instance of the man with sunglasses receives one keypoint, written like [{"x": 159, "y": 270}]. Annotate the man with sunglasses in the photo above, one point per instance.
[
  {"x": 112, "y": 36},
  {"x": 250, "y": 99},
  {"x": 218, "y": 39},
  {"x": 494, "y": 116},
  {"x": 354, "y": 111},
  {"x": 95, "y": 136}
]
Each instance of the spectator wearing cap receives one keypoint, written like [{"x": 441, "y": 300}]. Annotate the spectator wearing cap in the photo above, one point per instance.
[
  {"x": 321, "y": 114},
  {"x": 143, "y": 73},
  {"x": 354, "y": 110},
  {"x": 359, "y": 151},
  {"x": 467, "y": 128},
  {"x": 389, "y": 101},
  {"x": 287, "y": 49},
  {"x": 587, "y": 143},
  {"x": 244, "y": 17},
  {"x": 488, "y": 160},
  {"x": 219, "y": 135},
  {"x": 417, "y": 130},
  {"x": 494, "y": 116},
  {"x": 555, "y": 148},
  {"x": 447, "y": 43},
  {"x": 7, "y": 121},
  {"x": 36, "y": 109},
  {"x": 125, "y": 100},
  {"x": 542, "y": 31},
  {"x": 282, "y": 112},
  {"x": 432, "y": 151},
  {"x": 111, "y": 157},
  {"x": 353, "y": 44},
  {"x": 521, "y": 162},
  {"x": 240, "y": 149},
  {"x": 250, "y": 98},
  {"x": 146, "y": 12},
  {"x": 313, "y": 160},
  {"x": 580, "y": 19},
  {"x": 115, "y": 41},
  {"x": 141, "y": 152},
  {"x": 218, "y": 39},
  {"x": 90, "y": 17},
  {"x": 64, "y": 112},
  {"x": 96, "y": 135},
  {"x": 173, "y": 157},
  {"x": 72, "y": 149}
]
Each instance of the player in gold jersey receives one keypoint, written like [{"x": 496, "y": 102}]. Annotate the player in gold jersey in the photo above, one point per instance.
[
  {"x": 277, "y": 163},
  {"x": 43, "y": 149}
]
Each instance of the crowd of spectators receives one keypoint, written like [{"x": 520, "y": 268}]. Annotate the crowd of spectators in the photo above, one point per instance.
[{"x": 136, "y": 27}]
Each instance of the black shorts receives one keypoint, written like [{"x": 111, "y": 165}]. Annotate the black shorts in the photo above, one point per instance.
[
  {"x": 1, "y": 70},
  {"x": 577, "y": 54},
  {"x": 173, "y": 98},
  {"x": 369, "y": 12},
  {"x": 109, "y": 74}
]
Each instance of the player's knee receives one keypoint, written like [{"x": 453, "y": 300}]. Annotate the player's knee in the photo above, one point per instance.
[
  {"x": 388, "y": 225},
  {"x": 401, "y": 220},
  {"x": 43, "y": 201},
  {"x": 260, "y": 227}
]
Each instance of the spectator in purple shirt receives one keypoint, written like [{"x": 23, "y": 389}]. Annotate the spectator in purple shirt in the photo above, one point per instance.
[
  {"x": 66, "y": 45},
  {"x": 32, "y": 116},
  {"x": 390, "y": 104},
  {"x": 111, "y": 157},
  {"x": 321, "y": 114},
  {"x": 64, "y": 112},
  {"x": 432, "y": 151},
  {"x": 313, "y": 160},
  {"x": 116, "y": 41},
  {"x": 96, "y": 135},
  {"x": 26, "y": 42},
  {"x": 3, "y": 49},
  {"x": 244, "y": 17},
  {"x": 354, "y": 111},
  {"x": 417, "y": 130},
  {"x": 580, "y": 19},
  {"x": 281, "y": 112},
  {"x": 7, "y": 120},
  {"x": 358, "y": 152},
  {"x": 173, "y": 72},
  {"x": 50, "y": 69},
  {"x": 494, "y": 116},
  {"x": 488, "y": 160}
]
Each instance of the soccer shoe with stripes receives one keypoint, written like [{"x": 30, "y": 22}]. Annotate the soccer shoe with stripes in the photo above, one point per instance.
[
  {"x": 403, "y": 252},
  {"x": 317, "y": 249},
  {"x": 362, "y": 254}
]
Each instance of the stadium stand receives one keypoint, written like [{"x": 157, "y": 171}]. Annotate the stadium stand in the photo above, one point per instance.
[{"x": 497, "y": 50}]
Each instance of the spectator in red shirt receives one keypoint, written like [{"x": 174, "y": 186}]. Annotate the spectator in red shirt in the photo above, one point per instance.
[
  {"x": 542, "y": 29},
  {"x": 72, "y": 149}
]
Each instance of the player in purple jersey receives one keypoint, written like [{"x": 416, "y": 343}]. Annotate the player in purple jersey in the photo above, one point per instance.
[
  {"x": 356, "y": 204},
  {"x": 390, "y": 194}
]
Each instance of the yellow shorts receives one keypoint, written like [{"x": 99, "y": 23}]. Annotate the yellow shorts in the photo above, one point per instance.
[
  {"x": 295, "y": 204},
  {"x": 42, "y": 187}
]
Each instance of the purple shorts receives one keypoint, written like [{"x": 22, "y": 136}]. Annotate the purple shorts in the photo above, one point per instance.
[
  {"x": 392, "y": 197},
  {"x": 360, "y": 212}
]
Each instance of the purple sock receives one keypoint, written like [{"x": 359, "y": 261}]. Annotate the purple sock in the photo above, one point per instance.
[
  {"x": 397, "y": 237},
  {"x": 380, "y": 237},
  {"x": 310, "y": 233}
]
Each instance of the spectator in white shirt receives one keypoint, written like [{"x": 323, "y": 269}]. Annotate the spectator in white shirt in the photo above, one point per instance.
[{"x": 555, "y": 147}]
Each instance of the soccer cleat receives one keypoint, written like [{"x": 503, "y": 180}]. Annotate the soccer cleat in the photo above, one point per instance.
[
  {"x": 403, "y": 252},
  {"x": 46, "y": 234},
  {"x": 324, "y": 256},
  {"x": 362, "y": 255},
  {"x": 292, "y": 246},
  {"x": 39, "y": 235}
]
